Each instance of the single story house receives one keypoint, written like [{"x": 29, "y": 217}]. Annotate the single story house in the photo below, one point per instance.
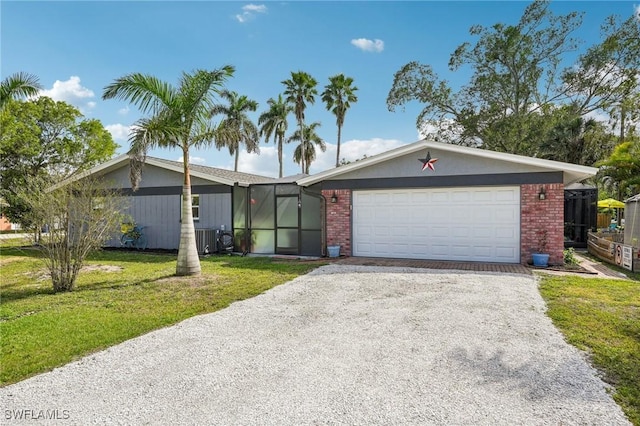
[{"x": 426, "y": 200}]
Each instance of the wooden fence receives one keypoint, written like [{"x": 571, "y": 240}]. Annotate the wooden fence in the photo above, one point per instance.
[{"x": 608, "y": 247}]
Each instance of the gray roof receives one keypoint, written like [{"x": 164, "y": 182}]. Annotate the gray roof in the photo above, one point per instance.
[
  {"x": 221, "y": 173},
  {"x": 634, "y": 199}
]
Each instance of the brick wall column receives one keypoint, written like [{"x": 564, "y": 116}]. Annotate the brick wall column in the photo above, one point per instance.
[
  {"x": 339, "y": 219},
  {"x": 540, "y": 216}
]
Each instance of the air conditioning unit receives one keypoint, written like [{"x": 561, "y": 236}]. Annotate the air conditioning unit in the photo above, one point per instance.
[{"x": 206, "y": 241}]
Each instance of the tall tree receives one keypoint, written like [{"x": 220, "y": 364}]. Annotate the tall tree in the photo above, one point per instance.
[
  {"x": 517, "y": 81},
  {"x": 338, "y": 96},
  {"x": 46, "y": 140},
  {"x": 607, "y": 76},
  {"x": 236, "y": 128},
  {"x": 620, "y": 172},
  {"x": 18, "y": 85},
  {"x": 572, "y": 138},
  {"x": 308, "y": 139},
  {"x": 180, "y": 117},
  {"x": 274, "y": 122},
  {"x": 300, "y": 89}
]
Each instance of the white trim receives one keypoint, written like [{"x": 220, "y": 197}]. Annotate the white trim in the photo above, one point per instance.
[
  {"x": 116, "y": 163},
  {"x": 573, "y": 172}
]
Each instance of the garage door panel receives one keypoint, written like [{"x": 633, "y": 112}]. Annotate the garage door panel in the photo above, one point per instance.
[
  {"x": 506, "y": 252},
  {"x": 461, "y": 232},
  {"x": 475, "y": 224},
  {"x": 482, "y": 196},
  {"x": 508, "y": 195},
  {"x": 437, "y": 197},
  {"x": 439, "y": 231},
  {"x": 506, "y": 233},
  {"x": 461, "y": 197}
]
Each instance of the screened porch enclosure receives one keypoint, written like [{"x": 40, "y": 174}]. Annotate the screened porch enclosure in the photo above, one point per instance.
[{"x": 277, "y": 219}]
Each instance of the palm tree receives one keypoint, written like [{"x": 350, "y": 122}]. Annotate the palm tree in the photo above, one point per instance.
[
  {"x": 309, "y": 137},
  {"x": 18, "y": 85},
  {"x": 274, "y": 122},
  {"x": 338, "y": 96},
  {"x": 300, "y": 89},
  {"x": 236, "y": 128},
  {"x": 180, "y": 118}
]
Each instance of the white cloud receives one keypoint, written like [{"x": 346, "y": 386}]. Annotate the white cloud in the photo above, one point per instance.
[
  {"x": 193, "y": 160},
  {"x": 124, "y": 111},
  {"x": 119, "y": 132},
  {"x": 249, "y": 12},
  {"x": 258, "y": 8},
  {"x": 72, "y": 92},
  {"x": 352, "y": 150},
  {"x": 265, "y": 164},
  {"x": 367, "y": 45},
  {"x": 637, "y": 11}
]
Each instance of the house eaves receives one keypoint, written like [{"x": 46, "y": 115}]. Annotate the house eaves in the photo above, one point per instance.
[
  {"x": 211, "y": 174},
  {"x": 571, "y": 172}
]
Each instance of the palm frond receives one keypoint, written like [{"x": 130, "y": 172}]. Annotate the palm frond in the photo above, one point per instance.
[
  {"x": 198, "y": 90},
  {"x": 18, "y": 85},
  {"x": 147, "y": 92}
]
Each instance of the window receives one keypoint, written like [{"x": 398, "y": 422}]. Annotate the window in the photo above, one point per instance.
[{"x": 195, "y": 207}]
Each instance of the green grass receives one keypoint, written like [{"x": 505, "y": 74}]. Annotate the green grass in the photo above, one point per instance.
[
  {"x": 602, "y": 317},
  {"x": 41, "y": 330}
]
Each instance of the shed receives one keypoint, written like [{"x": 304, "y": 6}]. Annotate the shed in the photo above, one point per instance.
[{"x": 632, "y": 221}]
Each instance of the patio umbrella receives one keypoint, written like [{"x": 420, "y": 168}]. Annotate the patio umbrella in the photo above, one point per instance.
[{"x": 611, "y": 204}]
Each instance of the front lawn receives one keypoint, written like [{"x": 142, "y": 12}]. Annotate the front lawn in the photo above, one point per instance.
[
  {"x": 121, "y": 295},
  {"x": 602, "y": 317}
]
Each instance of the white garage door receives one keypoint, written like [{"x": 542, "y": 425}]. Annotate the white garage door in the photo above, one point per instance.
[{"x": 467, "y": 224}]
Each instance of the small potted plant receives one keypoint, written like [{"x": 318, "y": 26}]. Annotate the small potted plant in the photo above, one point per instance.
[{"x": 540, "y": 256}]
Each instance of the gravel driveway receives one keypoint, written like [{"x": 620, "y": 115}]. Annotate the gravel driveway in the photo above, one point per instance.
[{"x": 342, "y": 345}]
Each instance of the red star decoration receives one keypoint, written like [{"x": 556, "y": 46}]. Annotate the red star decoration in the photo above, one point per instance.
[{"x": 428, "y": 162}]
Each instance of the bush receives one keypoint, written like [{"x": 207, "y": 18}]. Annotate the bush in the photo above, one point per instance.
[{"x": 569, "y": 257}]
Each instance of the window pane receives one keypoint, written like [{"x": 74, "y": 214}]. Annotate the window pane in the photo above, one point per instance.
[
  {"x": 288, "y": 240},
  {"x": 239, "y": 207},
  {"x": 311, "y": 212},
  {"x": 195, "y": 206},
  {"x": 311, "y": 243},
  {"x": 262, "y": 207},
  {"x": 287, "y": 189},
  {"x": 287, "y": 211},
  {"x": 263, "y": 242}
]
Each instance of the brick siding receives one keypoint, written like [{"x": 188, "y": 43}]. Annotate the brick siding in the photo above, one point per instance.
[
  {"x": 540, "y": 216},
  {"x": 339, "y": 220}
]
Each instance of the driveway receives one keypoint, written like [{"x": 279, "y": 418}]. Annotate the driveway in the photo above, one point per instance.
[{"x": 342, "y": 345}]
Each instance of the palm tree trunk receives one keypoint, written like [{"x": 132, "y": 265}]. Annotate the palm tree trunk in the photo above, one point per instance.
[
  {"x": 338, "y": 149},
  {"x": 188, "y": 260},
  {"x": 280, "y": 153},
  {"x": 302, "y": 150},
  {"x": 235, "y": 168}
]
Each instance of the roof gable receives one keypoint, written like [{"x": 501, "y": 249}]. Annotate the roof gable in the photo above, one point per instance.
[
  {"x": 400, "y": 161},
  {"x": 209, "y": 174}
]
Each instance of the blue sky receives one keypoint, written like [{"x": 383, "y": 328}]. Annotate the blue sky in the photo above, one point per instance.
[{"x": 77, "y": 48}]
